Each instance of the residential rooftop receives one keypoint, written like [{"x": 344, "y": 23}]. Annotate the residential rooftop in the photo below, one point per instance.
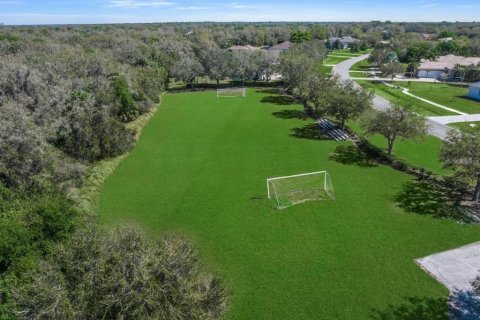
[{"x": 447, "y": 62}]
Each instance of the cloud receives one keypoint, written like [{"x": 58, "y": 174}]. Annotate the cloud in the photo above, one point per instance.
[
  {"x": 192, "y": 8},
  {"x": 237, "y": 5},
  {"x": 138, "y": 4}
]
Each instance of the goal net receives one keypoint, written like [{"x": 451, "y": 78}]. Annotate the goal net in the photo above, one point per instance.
[
  {"x": 291, "y": 190},
  {"x": 231, "y": 93}
]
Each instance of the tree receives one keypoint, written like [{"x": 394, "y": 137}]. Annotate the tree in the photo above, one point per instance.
[
  {"x": 461, "y": 152},
  {"x": 187, "y": 69},
  {"x": 266, "y": 64},
  {"x": 345, "y": 101},
  {"x": 377, "y": 57},
  {"x": 392, "y": 69},
  {"x": 119, "y": 274},
  {"x": 127, "y": 106},
  {"x": 22, "y": 150},
  {"x": 396, "y": 122},
  {"x": 391, "y": 57},
  {"x": 90, "y": 133},
  {"x": 216, "y": 63},
  {"x": 468, "y": 73},
  {"x": 300, "y": 36},
  {"x": 299, "y": 64}
]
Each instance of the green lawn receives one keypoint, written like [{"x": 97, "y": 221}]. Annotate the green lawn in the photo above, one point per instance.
[
  {"x": 463, "y": 125},
  {"x": 423, "y": 153},
  {"x": 449, "y": 95},
  {"x": 396, "y": 96},
  {"x": 335, "y": 60},
  {"x": 363, "y": 74},
  {"x": 348, "y": 52},
  {"x": 361, "y": 66},
  {"x": 200, "y": 169}
]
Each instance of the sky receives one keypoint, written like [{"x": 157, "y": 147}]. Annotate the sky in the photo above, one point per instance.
[{"x": 20, "y": 12}]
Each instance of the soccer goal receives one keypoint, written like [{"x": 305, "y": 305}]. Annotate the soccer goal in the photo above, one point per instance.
[
  {"x": 231, "y": 93},
  {"x": 291, "y": 190}
]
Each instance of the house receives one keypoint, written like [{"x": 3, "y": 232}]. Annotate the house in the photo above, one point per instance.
[
  {"x": 443, "y": 67},
  {"x": 428, "y": 36},
  {"x": 281, "y": 47},
  {"x": 474, "y": 91},
  {"x": 447, "y": 39},
  {"x": 345, "y": 42},
  {"x": 243, "y": 48}
]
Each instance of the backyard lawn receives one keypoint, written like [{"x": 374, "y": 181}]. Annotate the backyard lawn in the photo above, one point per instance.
[{"x": 200, "y": 169}]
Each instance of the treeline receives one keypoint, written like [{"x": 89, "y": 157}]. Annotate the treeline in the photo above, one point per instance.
[{"x": 66, "y": 97}]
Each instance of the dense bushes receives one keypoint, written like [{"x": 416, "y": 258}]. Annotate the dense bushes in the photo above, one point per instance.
[
  {"x": 30, "y": 222},
  {"x": 92, "y": 134},
  {"x": 21, "y": 147},
  {"x": 120, "y": 275},
  {"x": 127, "y": 109}
]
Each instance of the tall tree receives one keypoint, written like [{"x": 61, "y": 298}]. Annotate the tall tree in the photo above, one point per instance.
[
  {"x": 216, "y": 63},
  {"x": 346, "y": 101},
  {"x": 392, "y": 69},
  {"x": 187, "y": 69},
  {"x": 461, "y": 152},
  {"x": 397, "y": 122}
]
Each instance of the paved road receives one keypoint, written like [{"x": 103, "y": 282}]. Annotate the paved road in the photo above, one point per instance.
[
  {"x": 436, "y": 128},
  {"x": 454, "y": 119}
]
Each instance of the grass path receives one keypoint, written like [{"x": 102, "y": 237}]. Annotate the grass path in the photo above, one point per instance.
[{"x": 200, "y": 169}]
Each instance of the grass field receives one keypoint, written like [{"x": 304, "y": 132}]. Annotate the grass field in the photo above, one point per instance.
[
  {"x": 423, "y": 153},
  {"x": 200, "y": 169},
  {"x": 361, "y": 66},
  {"x": 463, "y": 125},
  {"x": 449, "y": 95},
  {"x": 335, "y": 59},
  {"x": 396, "y": 96}
]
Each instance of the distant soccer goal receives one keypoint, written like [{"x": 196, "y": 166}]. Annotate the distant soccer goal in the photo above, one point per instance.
[
  {"x": 231, "y": 92},
  {"x": 287, "y": 191}
]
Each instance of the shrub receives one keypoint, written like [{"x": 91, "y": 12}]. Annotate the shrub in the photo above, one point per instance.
[
  {"x": 127, "y": 109},
  {"x": 120, "y": 275},
  {"x": 22, "y": 151},
  {"x": 91, "y": 134}
]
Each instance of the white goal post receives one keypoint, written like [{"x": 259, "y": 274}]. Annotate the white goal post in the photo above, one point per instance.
[
  {"x": 291, "y": 190},
  {"x": 231, "y": 92}
]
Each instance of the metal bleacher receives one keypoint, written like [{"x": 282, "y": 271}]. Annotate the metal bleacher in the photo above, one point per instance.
[{"x": 330, "y": 130}]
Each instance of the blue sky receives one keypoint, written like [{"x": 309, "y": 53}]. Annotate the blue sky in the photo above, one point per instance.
[{"x": 117, "y": 11}]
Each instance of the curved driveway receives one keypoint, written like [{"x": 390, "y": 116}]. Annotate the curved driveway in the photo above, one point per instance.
[{"x": 436, "y": 129}]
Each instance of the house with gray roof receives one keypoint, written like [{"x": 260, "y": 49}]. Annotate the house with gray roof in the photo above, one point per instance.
[
  {"x": 344, "y": 42},
  {"x": 443, "y": 68},
  {"x": 284, "y": 46}
]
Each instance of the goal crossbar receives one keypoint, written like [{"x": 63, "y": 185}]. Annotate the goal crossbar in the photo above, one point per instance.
[
  {"x": 294, "y": 189},
  {"x": 231, "y": 92}
]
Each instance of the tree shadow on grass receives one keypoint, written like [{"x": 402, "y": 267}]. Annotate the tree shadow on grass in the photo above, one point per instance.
[
  {"x": 290, "y": 114},
  {"x": 310, "y": 131},
  {"x": 281, "y": 100},
  {"x": 351, "y": 155},
  {"x": 415, "y": 308},
  {"x": 427, "y": 198},
  {"x": 469, "y": 99},
  {"x": 270, "y": 91}
]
